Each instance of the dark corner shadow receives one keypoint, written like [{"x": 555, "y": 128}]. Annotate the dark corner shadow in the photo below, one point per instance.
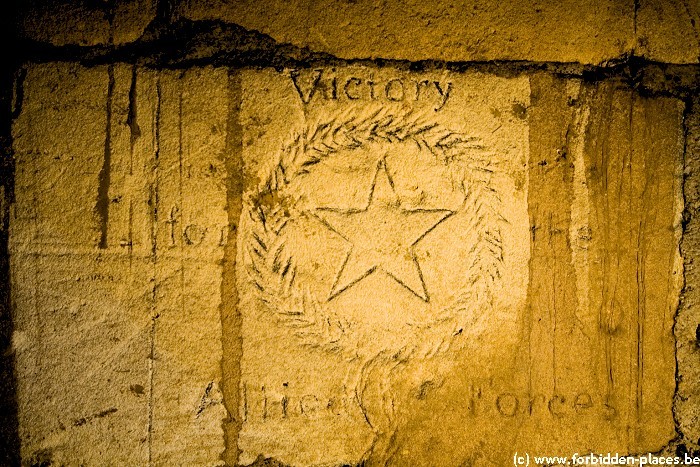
[
  {"x": 9, "y": 435},
  {"x": 9, "y": 64}
]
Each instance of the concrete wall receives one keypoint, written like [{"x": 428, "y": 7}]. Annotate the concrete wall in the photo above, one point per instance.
[{"x": 349, "y": 232}]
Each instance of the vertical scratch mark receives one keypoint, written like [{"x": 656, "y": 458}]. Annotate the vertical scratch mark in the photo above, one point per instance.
[
  {"x": 151, "y": 368},
  {"x": 131, "y": 233},
  {"x": 264, "y": 408},
  {"x": 553, "y": 315},
  {"x": 532, "y": 214},
  {"x": 182, "y": 207},
  {"x": 638, "y": 319},
  {"x": 154, "y": 248},
  {"x": 605, "y": 312},
  {"x": 641, "y": 314},
  {"x": 245, "y": 402},
  {"x": 134, "y": 133},
  {"x": 131, "y": 119},
  {"x": 102, "y": 204},
  {"x": 639, "y": 279}
]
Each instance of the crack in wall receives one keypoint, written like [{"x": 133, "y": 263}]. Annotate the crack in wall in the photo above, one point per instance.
[
  {"x": 153, "y": 201},
  {"x": 184, "y": 43}
]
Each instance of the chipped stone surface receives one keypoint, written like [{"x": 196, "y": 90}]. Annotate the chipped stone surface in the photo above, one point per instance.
[
  {"x": 439, "y": 268},
  {"x": 688, "y": 320}
]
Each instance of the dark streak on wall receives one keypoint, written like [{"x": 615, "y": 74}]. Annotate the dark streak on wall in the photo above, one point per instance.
[
  {"x": 102, "y": 205},
  {"x": 231, "y": 319}
]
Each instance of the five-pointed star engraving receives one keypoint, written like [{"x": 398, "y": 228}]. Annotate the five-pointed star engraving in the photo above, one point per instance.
[{"x": 383, "y": 235}]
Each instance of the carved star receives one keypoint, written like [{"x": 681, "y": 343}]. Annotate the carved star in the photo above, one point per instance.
[{"x": 382, "y": 236}]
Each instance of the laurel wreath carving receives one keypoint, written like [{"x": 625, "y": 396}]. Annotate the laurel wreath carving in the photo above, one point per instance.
[{"x": 273, "y": 204}]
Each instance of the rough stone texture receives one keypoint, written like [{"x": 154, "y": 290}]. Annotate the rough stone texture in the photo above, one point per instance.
[
  {"x": 117, "y": 329},
  {"x": 540, "y": 297},
  {"x": 547, "y": 307},
  {"x": 592, "y": 32},
  {"x": 84, "y": 22},
  {"x": 669, "y": 31},
  {"x": 189, "y": 285},
  {"x": 351, "y": 323},
  {"x": 187, "y": 406},
  {"x": 568, "y": 31},
  {"x": 68, "y": 295},
  {"x": 583, "y": 32}
]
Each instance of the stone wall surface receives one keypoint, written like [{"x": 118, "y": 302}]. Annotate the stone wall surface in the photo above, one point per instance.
[
  {"x": 117, "y": 331},
  {"x": 513, "y": 316},
  {"x": 590, "y": 32},
  {"x": 85, "y": 23},
  {"x": 351, "y": 233}
]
